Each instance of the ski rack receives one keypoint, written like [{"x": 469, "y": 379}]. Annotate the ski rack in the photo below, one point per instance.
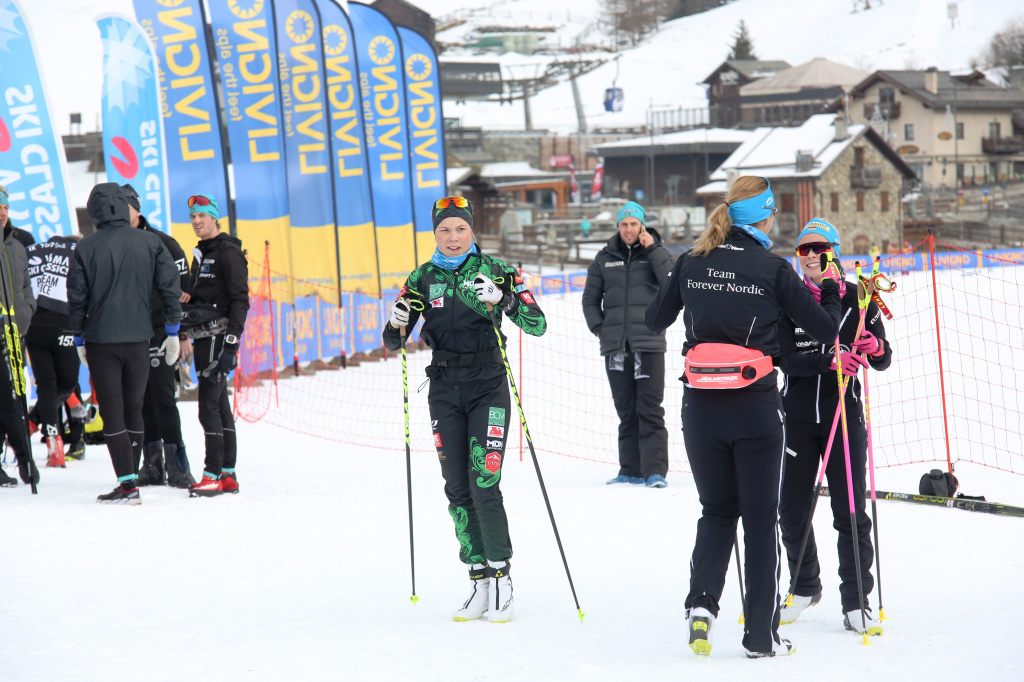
[{"x": 964, "y": 503}]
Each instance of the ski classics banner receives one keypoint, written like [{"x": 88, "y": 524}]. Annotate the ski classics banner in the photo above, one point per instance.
[
  {"x": 307, "y": 148},
  {"x": 382, "y": 86},
  {"x": 33, "y": 168},
  {"x": 357, "y": 244},
  {"x": 426, "y": 135},
  {"x": 133, "y": 131},
  {"x": 195, "y": 150},
  {"x": 246, "y": 50}
]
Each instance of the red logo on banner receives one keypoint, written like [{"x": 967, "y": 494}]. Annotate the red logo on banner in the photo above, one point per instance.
[
  {"x": 560, "y": 160},
  {"x": 437, "y": 440},
  {"x": 496, "y": 432},
  {"x": 5, "y": 137},
  {"x": 129, "y": 166},
  {"x": 493, "y": 462},
  {"x": 527, "y": 297}
]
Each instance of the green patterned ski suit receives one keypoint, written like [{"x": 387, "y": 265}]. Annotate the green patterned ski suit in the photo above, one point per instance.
[{"x": 470, "y": 407}]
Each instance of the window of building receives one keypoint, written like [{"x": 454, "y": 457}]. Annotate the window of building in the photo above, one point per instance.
[
  {"x": 757, "y": 119},
  {"x": 787, "y": 113},
  {"x": 886, "y": 96},
  {"x": 860, "y": 201},
  {"x": 918, "y": 169},
  {"x": 993, "y": 130},
  {"x": 959, "y": 131},
  {"x": 787, "y": 203},
  {"x": 835, "y": 201},
  {"x": 885, "y": 201},
  {"x": 908, "y": 132},
  {"x": 858, "y": 156}
]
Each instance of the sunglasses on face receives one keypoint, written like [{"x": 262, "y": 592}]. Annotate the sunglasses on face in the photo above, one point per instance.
[
  {"x": 457, "y": 202},
  {"x": 198, "y": 200},
  {"x": 814, "y": 247}
]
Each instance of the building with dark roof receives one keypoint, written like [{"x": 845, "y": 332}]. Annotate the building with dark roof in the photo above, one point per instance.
[
  {"x": 790, "y": 97},
  {"x": 944, "y": 124},
  {"x": 725, "y": 82}
]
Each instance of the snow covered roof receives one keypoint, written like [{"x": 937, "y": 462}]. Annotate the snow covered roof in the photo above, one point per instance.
[
  {"x": 750, "y": 68},
  {"x": 816, "y": 74},
  {"x": 697, "y": 135},
  {"x": 772, "y": 152},
  {"x": 455, "y": 176}
]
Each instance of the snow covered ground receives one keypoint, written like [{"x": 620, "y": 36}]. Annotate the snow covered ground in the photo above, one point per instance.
[{"x": 305, "y": 576}]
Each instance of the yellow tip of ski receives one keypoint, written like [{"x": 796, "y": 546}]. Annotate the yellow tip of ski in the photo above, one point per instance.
[
  {"x": 581, "y": 614},
  {"x": 414, "y": 599}
]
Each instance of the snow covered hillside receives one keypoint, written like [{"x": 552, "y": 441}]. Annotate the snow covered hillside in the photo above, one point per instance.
[
  {"x": 663, "y": 71},
  {"x": 305, "y": 576}
]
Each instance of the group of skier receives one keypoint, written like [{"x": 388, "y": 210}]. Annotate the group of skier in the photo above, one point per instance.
[
  {"x": 747, "y": 312},
  {"x": 112, "y": 301}
]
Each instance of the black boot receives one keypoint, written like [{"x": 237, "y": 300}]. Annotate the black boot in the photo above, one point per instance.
[
  {"x": 7, "y": 481},
  {"x": 154, "y": 464},
  {"x": 142, "y": 469},
  {"x": 27, "y": 470},
  {"x": 176, "y": 462}
]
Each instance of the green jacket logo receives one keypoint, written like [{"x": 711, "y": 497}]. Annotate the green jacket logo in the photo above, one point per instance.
[
  {"x": 496, "y": 416},
  {"x": 436, "y": 291}
]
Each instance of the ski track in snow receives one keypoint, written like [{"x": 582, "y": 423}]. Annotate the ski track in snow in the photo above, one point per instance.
[{"x": 305, "y": 575}]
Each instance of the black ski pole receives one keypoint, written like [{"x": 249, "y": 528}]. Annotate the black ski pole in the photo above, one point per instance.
[
  {"x": 533, "y": 453},
  {"x": 408, "y": 466},
  {"x": 739, "y": 574}
]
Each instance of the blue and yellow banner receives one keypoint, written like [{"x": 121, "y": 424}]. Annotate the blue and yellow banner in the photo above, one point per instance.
[
  {"x": 246, "y": 49},
  {"x": 133, "y": 130},
  {"x": 357, "y": 243},
  {"x": 426, "y": 135},
  {"x": 33, "y": 168},
  {"x": 195, "y": 150},
  {"x": 307, "y": 147},
  {"x": 381, "y": 79}
]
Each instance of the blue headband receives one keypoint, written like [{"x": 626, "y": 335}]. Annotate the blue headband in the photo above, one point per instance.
[
  {"x": 824, "y": 228},
  {"x": 754, "y": 209},
  {"x": 3, "y": 198},
  {"x": 631, "y": 210}
]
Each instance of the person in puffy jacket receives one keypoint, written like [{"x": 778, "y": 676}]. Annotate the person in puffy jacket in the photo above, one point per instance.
[
  {"x": 115, "y": 272},
  {"x": 810, "y": 396},
  {"x": 733, "y": 292},
  {"x": 623, "y": 279},
  {"x": 470, "y": 410}
]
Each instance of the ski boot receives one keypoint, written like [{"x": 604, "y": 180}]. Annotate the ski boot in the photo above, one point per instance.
[
  {"x": 152, "y": 470},
  {"x": 783, "y": 647},
  {"x": 500, "y": 605},
  {"x": 701, "y": 625},
  {"x": 208, "y": 487},
  {"x": 7, "y": 481},
  {"x": 852, "y": 621},
  {"x": 477, "y": 604},
  {"x": 126, "y": 492},
  {"x": 176, "y": 463},
  {"x": 228, "y": 481},
  {"x": 791, "y": 613},
  {"x": 55, "y": 452}
]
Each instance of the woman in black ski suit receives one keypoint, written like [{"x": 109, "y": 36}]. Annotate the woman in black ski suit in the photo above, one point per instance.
[
  {"x": 470, "y": 410},
  {"x": 735, "y": 292},
  {"x": 811, "y": 396}
]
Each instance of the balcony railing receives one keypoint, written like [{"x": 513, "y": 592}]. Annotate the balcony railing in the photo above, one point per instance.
[
  {"x": 1002, "y": 145},
  {"x": 866, "y": 177},
  {"x": 893, "y": 109}
]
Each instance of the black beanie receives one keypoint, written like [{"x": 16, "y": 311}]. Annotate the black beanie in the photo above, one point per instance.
[
  {"x": 452, "y": 211},
  {"x": 131, "y": 196}
]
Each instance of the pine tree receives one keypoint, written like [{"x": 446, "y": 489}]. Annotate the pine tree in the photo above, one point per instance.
[{"x": 743, "y": 46}]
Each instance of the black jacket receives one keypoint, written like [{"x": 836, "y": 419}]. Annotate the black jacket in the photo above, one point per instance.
[
  {"x": 737, "y": 294},
  {"x": 811, "y": 390},
  {"x": 621, "y": 282},
  {"x": 49, "y": 268},
  {"x": 220, "y": 277},
  {"x": 156, "y": 306},
  {"x": 115, "y": 273},
  {"x": 454, "y": 319}
]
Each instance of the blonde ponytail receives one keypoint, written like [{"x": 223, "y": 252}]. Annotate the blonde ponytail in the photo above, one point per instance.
[{"x": 719, "y": 223}]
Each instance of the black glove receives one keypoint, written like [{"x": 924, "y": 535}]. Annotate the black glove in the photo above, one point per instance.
[{"x": 226, "y": 361}]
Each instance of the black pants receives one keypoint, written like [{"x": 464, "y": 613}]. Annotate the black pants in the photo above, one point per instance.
[
  {"x": 638, "y": 388},
  {"x": 470, "y": 425},
  {"x": 12, "y": 415},
  {"x": 215, "y": 411},
  {"x": 734, "y": 441},
  {"x": 55, "y": 367},
  {"x": 119, "y": 374},
  {"x": 159, "y": 409},
  {"x": 805, "y": 446}
]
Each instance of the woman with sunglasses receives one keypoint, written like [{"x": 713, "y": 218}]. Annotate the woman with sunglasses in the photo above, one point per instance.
[
  {"x": 735, "y": 291},
  {"x": 811, "y": 396},
  {"x": 470, "y": 410}
]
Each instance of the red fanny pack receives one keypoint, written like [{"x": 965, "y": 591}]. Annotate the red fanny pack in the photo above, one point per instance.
[{"x": 723, "y": 365}]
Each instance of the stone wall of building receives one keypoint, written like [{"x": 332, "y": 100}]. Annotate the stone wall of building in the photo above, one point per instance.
[{"x": 859, "y": 229}]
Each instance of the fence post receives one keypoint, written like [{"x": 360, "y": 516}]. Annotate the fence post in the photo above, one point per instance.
[
  {"x": 520, "y": 268},
  {"x": 273, "y": 327},
  {"x": 938, "y": 345}
]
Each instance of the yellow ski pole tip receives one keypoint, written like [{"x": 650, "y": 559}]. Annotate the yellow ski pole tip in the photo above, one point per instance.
[
  {"x": 414, "y": 599},
  {"x": 742, "y": 619},
  {"x": 881, "y": 614},
  {"x": 866, "y": 642},
  {"x": 581, "y": 615}
]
